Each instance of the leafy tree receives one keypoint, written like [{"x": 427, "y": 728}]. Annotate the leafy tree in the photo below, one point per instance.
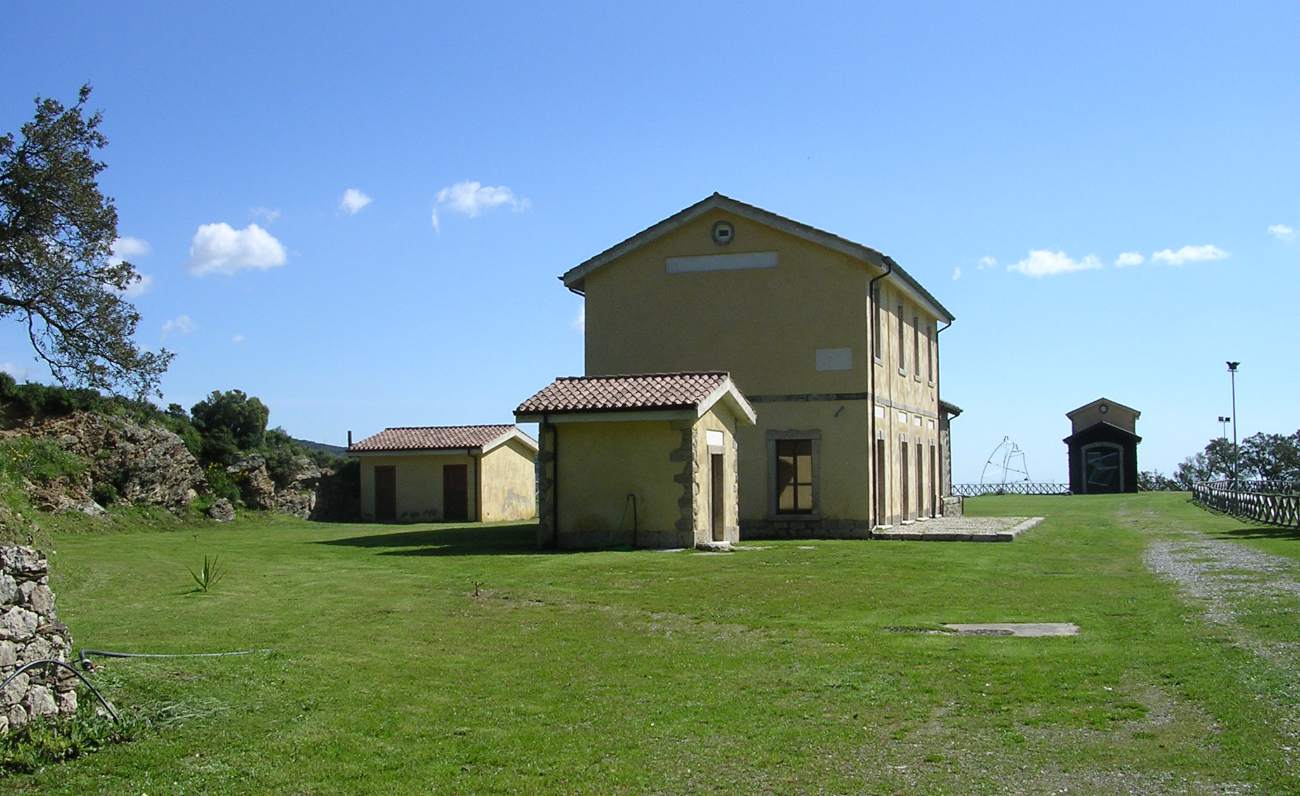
[
  {"x": 57, "y": 274},
  {"x": 229, "y": 422},
  {"x": 1155, "y": 481},
  {"x": 1212, "y": 464},
  {"x": 1273, "y": 457}
]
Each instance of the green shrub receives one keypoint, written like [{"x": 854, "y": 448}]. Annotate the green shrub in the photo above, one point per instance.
[
  {"x": 104, "y": 493},
  {"x": 42, "y": 742},
  {"x": 221, "y": 485},
  {"x": 38, "y": 459}
]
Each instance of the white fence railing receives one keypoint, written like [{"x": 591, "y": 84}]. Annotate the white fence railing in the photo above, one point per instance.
[{"x": 1273, "y": 502}]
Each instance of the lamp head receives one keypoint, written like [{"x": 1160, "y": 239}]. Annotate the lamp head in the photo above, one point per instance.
[{"x": 1232, "y": 366}]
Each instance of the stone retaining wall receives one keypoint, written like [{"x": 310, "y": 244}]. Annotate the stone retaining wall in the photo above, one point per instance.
[{"x": 30, "y": 630}]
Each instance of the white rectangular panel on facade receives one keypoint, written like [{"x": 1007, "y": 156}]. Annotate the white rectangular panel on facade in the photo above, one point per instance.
[
  {"x": 712, "y": 437},
  {"x": 835, "y": 359},
  {"x": 720, "y": 262}
]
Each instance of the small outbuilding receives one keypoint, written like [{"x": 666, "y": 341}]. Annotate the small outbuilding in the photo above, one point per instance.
[
  {"x": 640, "y": 460},
  {"x": 1103, "y": 447},
  {"x": 447, "y": 473}
]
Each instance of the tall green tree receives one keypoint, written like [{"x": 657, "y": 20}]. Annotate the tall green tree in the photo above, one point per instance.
[
  {"x": 1212, "y": 464},
  {"x": 229, "y": 422},
  {"x": 57, "y": 274},
  {"x": 1273, "y": 457}
]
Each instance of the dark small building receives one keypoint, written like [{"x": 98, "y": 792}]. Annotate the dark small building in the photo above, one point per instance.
[{"x": 1103, "y": 448}]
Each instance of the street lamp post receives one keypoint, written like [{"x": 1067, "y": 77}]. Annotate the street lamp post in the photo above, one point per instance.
[
  {"x": 1232, "y": 374},
  {"x": 1223, "y": 421}
]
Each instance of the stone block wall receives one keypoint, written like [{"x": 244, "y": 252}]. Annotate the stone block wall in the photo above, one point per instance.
[{"x": 30, "y": 630}]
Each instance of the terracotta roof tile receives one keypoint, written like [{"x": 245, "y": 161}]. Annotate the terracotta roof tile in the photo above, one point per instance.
[
  {"x": 614, "y": 393},
  {"x": 411, "y": 438}
]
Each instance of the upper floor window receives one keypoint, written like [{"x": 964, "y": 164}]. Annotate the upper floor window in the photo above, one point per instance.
[
  {"x": 875, "y": 321},
  {"x": 929, "y": 350},
  {"x": 916, "y": 345},
  {"x": 902, "y": 342}
]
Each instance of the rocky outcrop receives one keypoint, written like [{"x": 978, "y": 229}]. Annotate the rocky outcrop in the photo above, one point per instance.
[
  {"x": 255, "y": 484},
  {"x": 144, "y": 464},
  {"x": 221, "y": 510},
  {"x": 30, "y": 630}
]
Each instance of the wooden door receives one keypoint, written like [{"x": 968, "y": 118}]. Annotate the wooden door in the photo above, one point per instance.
[
  {"x": 455, "y": 492},
  {"x": 934, "y": 483},
  {"x": 920, "y": 482},
  {"x": 880, "y": 482},
  {"x": 386, "y": 493},
  {"x": 717, "y": 494},
  {"x": 903, "y": 474}
]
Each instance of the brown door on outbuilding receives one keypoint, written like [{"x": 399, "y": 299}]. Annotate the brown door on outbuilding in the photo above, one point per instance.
[
  {"x": 386, "y": 493},
  {"x": 717, "y": 511},
  {"x": 455, "y": 492}
]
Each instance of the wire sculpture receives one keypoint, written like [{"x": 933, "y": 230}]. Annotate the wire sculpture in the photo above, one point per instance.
[{"x": 1006, "y": 463}]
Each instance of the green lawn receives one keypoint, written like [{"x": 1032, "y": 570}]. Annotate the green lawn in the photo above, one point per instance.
[{"x": 783, "y": 669}]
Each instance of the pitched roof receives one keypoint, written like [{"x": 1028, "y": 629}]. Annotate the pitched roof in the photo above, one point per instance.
[
  {"x": 1090, "y": 404},
  {"x": 1100, "y": 429},
  {"x": 573, "y": 278},
  {"x": 638, "y": 392},
  {"x": 420, "y": 438}
]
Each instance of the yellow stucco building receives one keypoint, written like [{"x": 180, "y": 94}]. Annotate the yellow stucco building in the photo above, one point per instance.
[
  {"x": 447, "y": 473},
  {"x": 642, "y": 460},
  {"x": 834, "y": 344}
]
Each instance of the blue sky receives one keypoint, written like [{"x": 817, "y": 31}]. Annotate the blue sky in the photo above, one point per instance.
[{"x": 940, "y": 134}]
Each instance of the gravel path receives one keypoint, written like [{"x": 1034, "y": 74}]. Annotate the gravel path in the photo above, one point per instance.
[
  {"x": 1220, "y": 573},
  {"x": 1226, "y": 580}
]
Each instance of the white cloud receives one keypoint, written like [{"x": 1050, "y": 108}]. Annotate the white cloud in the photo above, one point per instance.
[
  {"x": 1129, "y": 260},
  {"x": 987, "y": 262},
  {"x": 237, "y": 339},
  {"x": 17, "y": 371},
  {"x": 1042, "y": 262},
  {"x": 436, "y": 226},
  {"x": 181, "y": 324},
  {"x": 1189, "y": 254},
  {"x": 126, "y": 248},
  {"x": 580, "y": 322},
  {"x": 268, "y": 214},
  {"x": 141, "y": 285},
  {"x": 1281, "y": 232},
  {"x": 471, "y": 198},
  {"x": 956, "y": 273},
  {"x": 221, "y": 249},
  {"x": 353, "y": 201}
]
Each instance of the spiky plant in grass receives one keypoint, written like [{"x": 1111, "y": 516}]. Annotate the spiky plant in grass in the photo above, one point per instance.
[{"x": 207, "y": 577}]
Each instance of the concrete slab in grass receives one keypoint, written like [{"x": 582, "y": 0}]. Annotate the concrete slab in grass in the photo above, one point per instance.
[
  {"x": 959, "y": 529},
  {"x": 1026, "y": 629}
]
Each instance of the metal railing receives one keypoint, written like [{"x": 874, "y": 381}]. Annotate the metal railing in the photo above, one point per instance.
[
  {"x": 1011, "y": 488},
  {"x": 1272, "y": 502}
]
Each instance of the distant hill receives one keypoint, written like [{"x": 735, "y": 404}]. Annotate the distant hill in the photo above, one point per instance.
[{"x": 333, "y": 450}]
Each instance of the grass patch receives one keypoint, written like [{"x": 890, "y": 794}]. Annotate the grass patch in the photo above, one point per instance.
[{"x": 771, "y": 670}]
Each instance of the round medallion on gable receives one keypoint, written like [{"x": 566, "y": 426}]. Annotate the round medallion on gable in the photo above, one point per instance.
[
  {"x": 1104, "y": 408},
  {"x": 723, "y": 232}
]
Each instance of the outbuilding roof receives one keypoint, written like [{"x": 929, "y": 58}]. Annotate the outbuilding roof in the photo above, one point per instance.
[
  {"x": 1103, "y": 400},
  {"x": 635, "y": 392},
  {"x": 432, "y": 438},
  {"x": 575, "y": 277}
]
